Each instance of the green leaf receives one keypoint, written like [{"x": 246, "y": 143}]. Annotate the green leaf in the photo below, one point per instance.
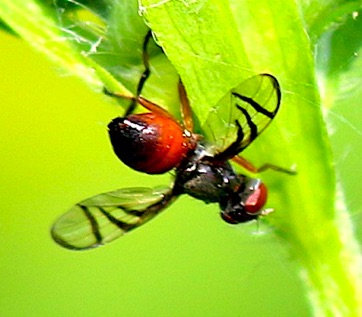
[
  {"x": 322, "y": 15},
  {"x": 214, "y": 45},
  {"x": 339, "y": 62},
  {"x": 36, "y": 24},
  {"x": 340, "y": 76}
]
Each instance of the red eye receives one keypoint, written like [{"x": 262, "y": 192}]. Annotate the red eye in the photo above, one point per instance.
[{"x": 256, "y": 201}]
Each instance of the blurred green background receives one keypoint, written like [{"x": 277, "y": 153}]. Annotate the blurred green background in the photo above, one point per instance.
[{"x": 186, "y": 262}]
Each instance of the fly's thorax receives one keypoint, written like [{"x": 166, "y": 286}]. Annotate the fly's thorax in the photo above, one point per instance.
[{"x": 204, "y": 178}]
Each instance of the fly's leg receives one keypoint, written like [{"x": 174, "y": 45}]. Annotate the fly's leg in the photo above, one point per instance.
[
  {"x": 146, "y": 73},
  {"x": 186, "y": 110},
  {"x": 149, "y": 105},
  {"x": 251, "y": 168}
]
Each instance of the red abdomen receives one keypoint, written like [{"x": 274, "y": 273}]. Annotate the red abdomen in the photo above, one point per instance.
[{"x": 148, "y": 142}]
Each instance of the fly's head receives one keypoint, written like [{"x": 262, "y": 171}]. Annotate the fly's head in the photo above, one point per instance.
[{"x": 246, "y": 202}]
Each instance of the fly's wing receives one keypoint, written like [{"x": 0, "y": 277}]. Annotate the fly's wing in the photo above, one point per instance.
[
  {"x": 105, "y": 217},
  {"x": 250, "y": 106}
]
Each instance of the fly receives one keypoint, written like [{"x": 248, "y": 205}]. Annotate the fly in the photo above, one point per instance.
[{"x": 155, "y": 142}]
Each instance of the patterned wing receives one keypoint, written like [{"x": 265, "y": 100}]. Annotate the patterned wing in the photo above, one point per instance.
[
  {"x": 105, "y": 217},
  {"x": 246, "y": 110}
]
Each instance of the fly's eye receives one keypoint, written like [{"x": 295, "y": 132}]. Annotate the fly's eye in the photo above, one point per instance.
[{"x": 256, "y": 200}]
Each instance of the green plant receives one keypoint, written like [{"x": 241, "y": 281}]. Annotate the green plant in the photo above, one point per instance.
[{"x": 213, "y": 45}]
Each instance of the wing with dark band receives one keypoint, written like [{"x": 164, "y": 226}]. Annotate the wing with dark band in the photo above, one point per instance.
[
  {"x": 105, "y": 217},
  {"x": 242, "y": 114}
]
